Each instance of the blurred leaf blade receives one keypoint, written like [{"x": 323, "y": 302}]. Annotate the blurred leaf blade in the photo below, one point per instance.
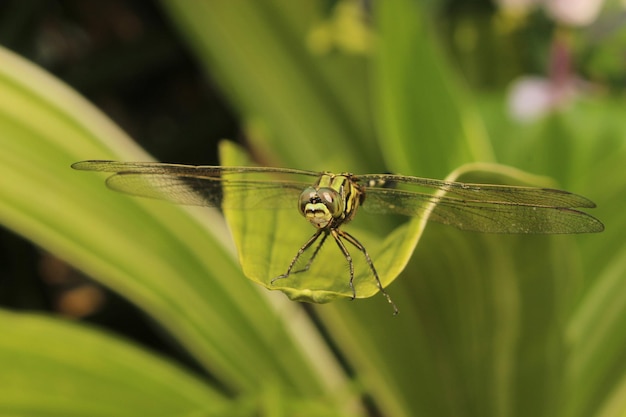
[
  {"x": 596, "y": 373},
  {"x": 489, "y": 325},
  {"x": 182, "y": 273},
  {"x": 590, "y": 134},
  {"x": 426, "y": 125},
  {"x": 434, "y": 110},
  {"x": 461, "y": 325},
  {"x": 258, "y": 52},
  {"x": 85, "y": 372}
]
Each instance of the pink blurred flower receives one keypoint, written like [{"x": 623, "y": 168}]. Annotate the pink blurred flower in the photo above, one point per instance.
[{"x": 530, "y": 97}]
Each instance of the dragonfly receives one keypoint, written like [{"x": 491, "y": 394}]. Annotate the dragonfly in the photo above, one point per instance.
[{"x": 328, "y": 201}]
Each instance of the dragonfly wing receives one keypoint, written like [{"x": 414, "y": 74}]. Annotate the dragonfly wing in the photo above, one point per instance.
[
  {"x": 178, "y": 169},
  {"x": 208, "y": 191},
  {"x": 203, "y": 185},
  {"x": 504, "y": 194},
  {"x": 500, "y": 216}
]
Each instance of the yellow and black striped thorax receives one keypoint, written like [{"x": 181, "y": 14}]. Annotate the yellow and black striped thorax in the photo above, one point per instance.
[{"x": 331, "y": 201}]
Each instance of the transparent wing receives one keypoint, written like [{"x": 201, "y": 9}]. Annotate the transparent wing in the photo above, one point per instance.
[
  {"x": 489, "y": 208},
  {"x": 476, "y": 207},
  {"x": 202, "y": 185},
  {"x": 177, "y": 169},
  {"x": 505, "y": 194}
]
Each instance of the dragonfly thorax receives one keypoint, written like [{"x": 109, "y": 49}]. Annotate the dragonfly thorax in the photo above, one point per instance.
[{"x": 331, "y": 202}]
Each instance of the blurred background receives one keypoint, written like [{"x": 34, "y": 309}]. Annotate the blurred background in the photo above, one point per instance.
[
  {"x": 114, "y": 53},
  {"x": 539, "y": 84}
]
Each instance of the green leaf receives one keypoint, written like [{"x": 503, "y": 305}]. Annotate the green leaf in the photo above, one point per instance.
[
  {"x": 263, "y": 54},
  {"x": 427, "y": 125},
  {"x": 57, "y": 368},
  {"x": 590, "y": 134},
  {"x": 268, "y": 240},
  {"x": 173, "y": 262},
  {"x": 483, "y": 320},
  {"x": 488, "y": 325}
]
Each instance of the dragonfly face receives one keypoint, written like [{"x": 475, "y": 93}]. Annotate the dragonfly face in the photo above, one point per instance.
[{"x": 333, "y": 200}]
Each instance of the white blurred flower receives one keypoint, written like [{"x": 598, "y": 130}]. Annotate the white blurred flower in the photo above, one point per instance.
[
  {"x": 573, "y": 12},
  {"x": 567, "y": 12},
  {"x": 531, "y": 97}
]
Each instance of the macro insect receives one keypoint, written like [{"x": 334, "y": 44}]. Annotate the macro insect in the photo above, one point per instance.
[{"x": 328, "y": 201}]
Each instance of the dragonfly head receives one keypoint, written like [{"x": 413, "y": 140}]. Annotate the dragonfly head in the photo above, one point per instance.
[{"x": 320, "y": 206}]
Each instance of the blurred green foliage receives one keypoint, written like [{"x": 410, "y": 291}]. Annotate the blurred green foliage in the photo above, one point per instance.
[{"x": 489, "y": 325}]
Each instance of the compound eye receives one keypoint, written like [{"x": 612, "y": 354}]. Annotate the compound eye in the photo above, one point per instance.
[
  {"x": 331, "y": 199},
  {"x": 309, "y": 195},
  {"x": 320, "y": 206}
]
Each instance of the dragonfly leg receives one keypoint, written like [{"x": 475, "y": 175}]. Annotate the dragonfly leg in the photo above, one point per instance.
[
  {"x": 360, "y": 247},
  {"x": 336, "y": 233},
  {"x": 304, "y": 247},
  {"x": 317, "y": 249}
]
